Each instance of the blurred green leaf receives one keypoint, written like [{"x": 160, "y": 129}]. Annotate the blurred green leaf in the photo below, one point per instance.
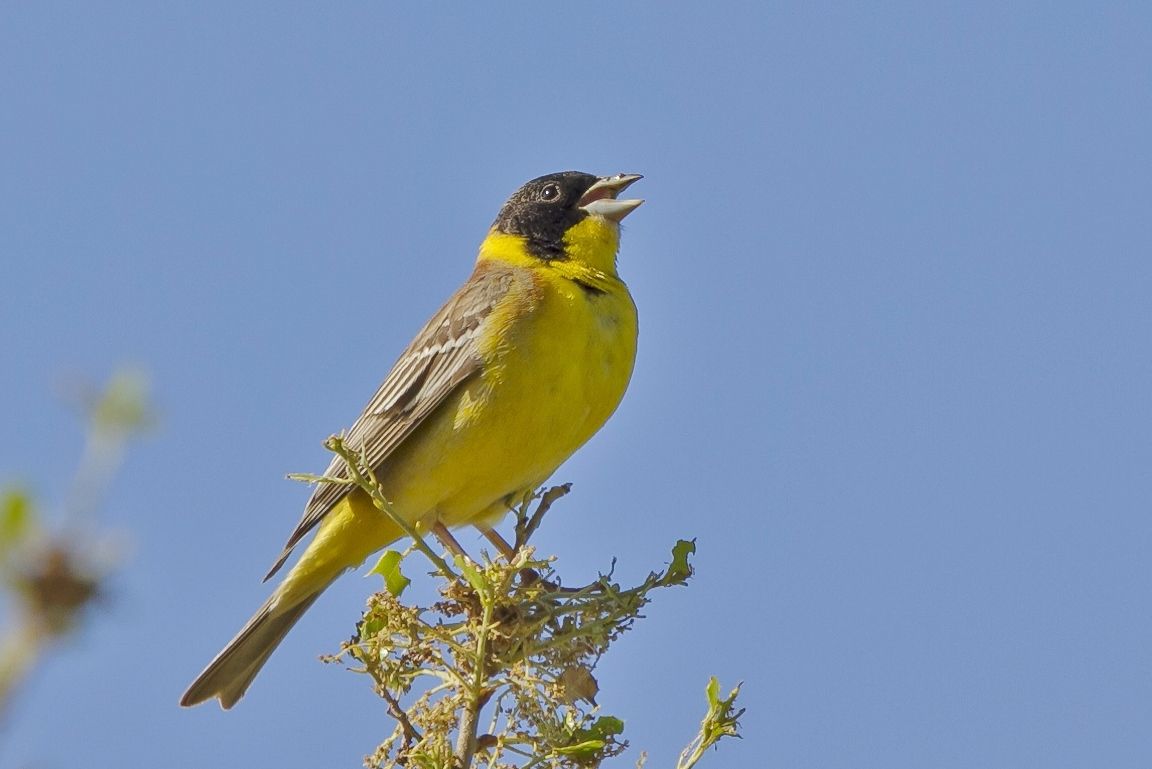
[
  {"x": 388, "y": 567},
  {"x": 607, "y": 726},
  {"x": 586, "y": 743},
  {"x": 582, "y": 751},
  {"x": 123, "y": 406},
  {"x": 17, "y": 519}
]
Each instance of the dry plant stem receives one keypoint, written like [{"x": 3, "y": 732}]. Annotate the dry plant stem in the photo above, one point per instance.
[
  {"x": 396, "y": 710},
  {"x": 470, "y": 714},
  {"x": 369, "y": 484}
]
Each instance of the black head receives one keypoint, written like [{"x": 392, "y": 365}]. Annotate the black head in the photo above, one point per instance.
[{"x": 543, "y": 209}]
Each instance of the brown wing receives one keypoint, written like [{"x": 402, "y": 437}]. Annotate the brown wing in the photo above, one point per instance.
[{"x": 442, "y": 356}]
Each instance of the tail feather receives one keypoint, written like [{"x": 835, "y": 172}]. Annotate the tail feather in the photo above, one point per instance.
[
  {"x": 352, "y": 530},
  {"x": 228, "y": 676}
]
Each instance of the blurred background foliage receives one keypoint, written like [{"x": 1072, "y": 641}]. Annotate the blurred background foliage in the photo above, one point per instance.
[{"x": 56, "y": 557}]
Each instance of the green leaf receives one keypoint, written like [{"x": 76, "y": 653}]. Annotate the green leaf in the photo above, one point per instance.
[
  {"x": 713, "y": 692},
  {"x": 388, "y": 567},
  {"x": 593, "y": 739},
  {"x": 474, "y": 576},
  {"x": 680, "y": 570},
  {"x": 607, "y": 726},
  {"x": 582, "y": 751},
  {"x": 722, "y": 719}
]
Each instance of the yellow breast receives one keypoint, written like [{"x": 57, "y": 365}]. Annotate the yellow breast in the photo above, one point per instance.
[{"x": 557, "y": 363}]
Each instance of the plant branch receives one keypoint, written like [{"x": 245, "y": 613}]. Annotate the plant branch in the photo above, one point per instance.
[
  {"x": 526, "y": 526},
  {"x": 365, "y": 478}
]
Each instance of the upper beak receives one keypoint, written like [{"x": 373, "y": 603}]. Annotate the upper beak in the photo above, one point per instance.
[{"x": 600, "y": 199}]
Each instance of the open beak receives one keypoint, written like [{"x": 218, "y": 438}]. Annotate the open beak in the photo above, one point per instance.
[{"x": 600, "y": 199}]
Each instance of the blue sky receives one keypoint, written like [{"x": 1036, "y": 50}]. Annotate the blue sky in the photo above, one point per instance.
[{"x": 894, "y": 374}]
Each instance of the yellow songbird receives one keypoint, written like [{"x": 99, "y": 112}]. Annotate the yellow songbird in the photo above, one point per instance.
[{"x": 521, "y": 366}]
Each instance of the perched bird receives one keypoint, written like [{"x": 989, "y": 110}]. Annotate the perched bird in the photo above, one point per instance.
[{"x": 521, "y": 366}]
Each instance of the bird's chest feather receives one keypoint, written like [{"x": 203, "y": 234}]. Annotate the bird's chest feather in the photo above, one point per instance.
[{"x": 562, "y": 368}]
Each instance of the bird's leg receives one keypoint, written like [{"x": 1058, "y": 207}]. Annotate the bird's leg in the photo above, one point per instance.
[
  {"x": 449, "y": 541},
  {"x": 499, "y": 543}
]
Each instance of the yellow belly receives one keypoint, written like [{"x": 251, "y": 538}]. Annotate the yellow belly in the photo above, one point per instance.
[{"x": 553, "y": 379}]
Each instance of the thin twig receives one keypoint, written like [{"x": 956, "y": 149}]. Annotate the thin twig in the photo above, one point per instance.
[
  {"x": 525, "y": 529},
  {"x": 479, "y": 692},
  {"x": 411, "y": 735},
  {"x": 470, "y": 714},
  {"x": 366, "y": 480}
]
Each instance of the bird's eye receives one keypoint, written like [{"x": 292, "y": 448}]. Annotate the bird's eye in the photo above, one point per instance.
[{"x": 550, "y": 193}]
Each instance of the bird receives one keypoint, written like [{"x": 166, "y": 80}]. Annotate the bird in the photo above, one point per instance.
[{"x": 516, "y": 371}]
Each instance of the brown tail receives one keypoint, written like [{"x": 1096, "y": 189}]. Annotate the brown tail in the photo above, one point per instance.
[{"x": 228, "y": 676}]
